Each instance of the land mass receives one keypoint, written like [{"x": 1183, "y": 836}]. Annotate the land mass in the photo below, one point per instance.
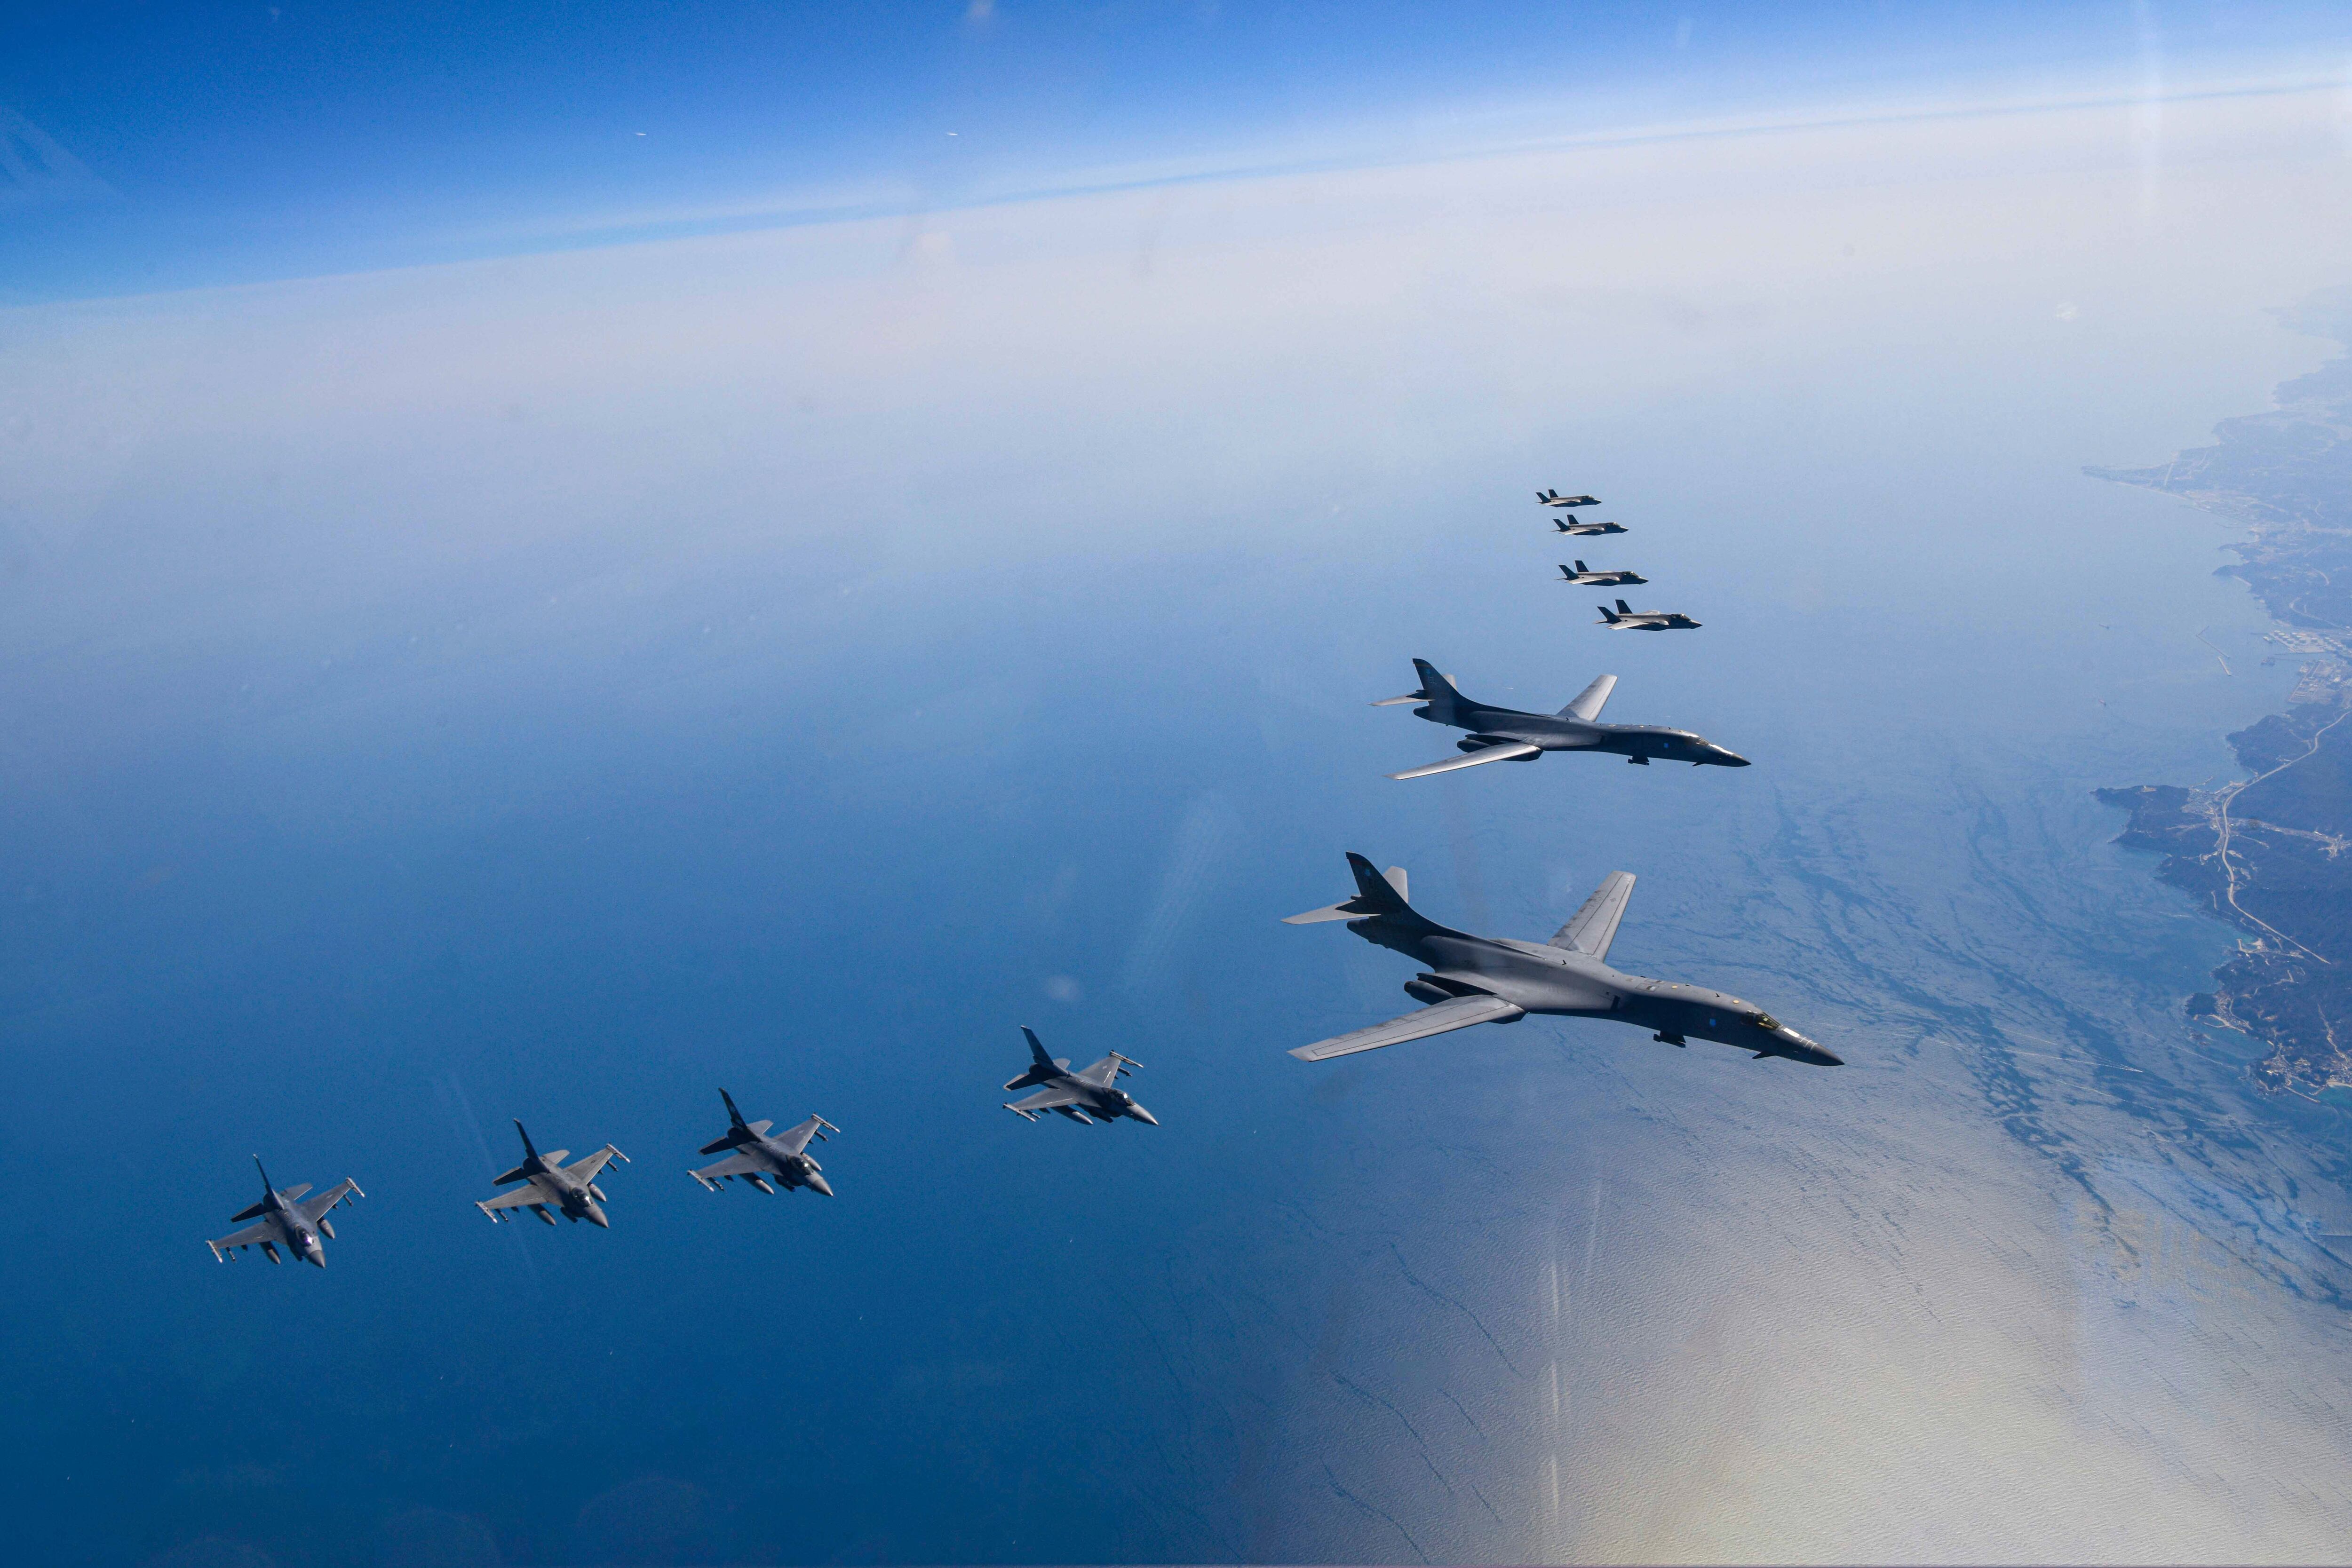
[{"x": 2267, "y": 852}]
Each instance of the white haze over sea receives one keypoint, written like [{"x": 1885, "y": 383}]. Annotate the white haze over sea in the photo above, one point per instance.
[{"x": 558, "y": 685}]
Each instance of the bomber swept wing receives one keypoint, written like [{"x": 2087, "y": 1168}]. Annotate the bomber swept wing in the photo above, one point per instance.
[
  {"x": 1592, "y": 927},
  {"x": 1501, "y": 751},
  {"x": 1459, "y": 1013},
  {"x": 1588, "y": 702}
]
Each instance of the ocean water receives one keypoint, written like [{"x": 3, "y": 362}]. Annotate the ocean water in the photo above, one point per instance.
[{"x": 581, "y": 824}]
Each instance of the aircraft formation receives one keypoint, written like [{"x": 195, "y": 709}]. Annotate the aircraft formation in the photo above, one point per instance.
[{"x": 1465, "y": 979}]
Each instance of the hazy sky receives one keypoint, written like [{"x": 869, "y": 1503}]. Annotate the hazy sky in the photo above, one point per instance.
[{"x": 216, "y": 142}]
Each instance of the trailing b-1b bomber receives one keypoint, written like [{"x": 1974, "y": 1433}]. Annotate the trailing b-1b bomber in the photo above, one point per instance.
[
  {"x": 1495, "y": 979},
  {"x": 1506, "y": 735}
]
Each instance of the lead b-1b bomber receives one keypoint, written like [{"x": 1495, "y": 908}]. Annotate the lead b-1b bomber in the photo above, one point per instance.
[
  {"x": 1495, "y": 979},
  {"x": 1506, "y": 735}
]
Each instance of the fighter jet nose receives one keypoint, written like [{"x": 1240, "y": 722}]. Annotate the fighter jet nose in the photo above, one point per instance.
[
  {"x": 818, "y": 1184},
  {"x": 1141, "y": 1114},
  {"x": 318, "y": 1257},
  {"x": 596, "y": 1218}
]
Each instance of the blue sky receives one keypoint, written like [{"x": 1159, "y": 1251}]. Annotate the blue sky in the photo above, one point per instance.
[{"x": 237, "y": 143}]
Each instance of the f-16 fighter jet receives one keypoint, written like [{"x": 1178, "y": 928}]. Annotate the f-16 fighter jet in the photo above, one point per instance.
[
  {"x": 1493, "y": 979},
  {"x": 548, "y": 1182},
  {"x": 1554, "y": 498},
  {"x": 1622, "y": 619},
  {"x": 1506, "y": 735},
  {"x": 757, "y": 1157},
  {"x": 1091, "y": 1092},
  {"x": 284, "y": 1221},
  {"x": 1601, "y": 579},
  {"x": 1574, "y": 526}
]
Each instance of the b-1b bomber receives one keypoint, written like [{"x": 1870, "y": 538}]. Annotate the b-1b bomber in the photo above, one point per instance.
[
  {"x": 1494, "y": 979},
  {"x": 1506, "y": 735},
  {"x": 1626, "y": 619}
]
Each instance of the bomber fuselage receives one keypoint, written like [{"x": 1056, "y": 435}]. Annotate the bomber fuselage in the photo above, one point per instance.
[
  {"x": 1542, "y": 978},
  {"x": 1562, "y": 732}
]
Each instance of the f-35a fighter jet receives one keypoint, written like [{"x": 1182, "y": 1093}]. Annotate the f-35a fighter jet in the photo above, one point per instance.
[
  {"x": 1554, "y": 498},
  {"x": 1090, "y": 1093},
  {"x": 1622, "y": 619},
  {"x": 548, "y": 1183},
  {"x": 1494, "y": 979},
  {"x": 1601, "y": 579},
  {"x": 757, "y": 1157},
  {"x": 1578, "y": 526},
  {"x": 283, "y": 1219},
  {"x": 1506, "y": 735}
]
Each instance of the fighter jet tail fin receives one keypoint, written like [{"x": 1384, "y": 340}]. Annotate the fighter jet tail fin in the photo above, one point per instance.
[
  {"x": 739, "y": 1132},
  {"x": 1586, "y": 706},
  {"x": 1378, "y": 897},
  {"x": 1043, "y": 1068}
]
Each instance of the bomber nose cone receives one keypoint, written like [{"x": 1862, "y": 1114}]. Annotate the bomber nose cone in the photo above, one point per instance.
[
  {"x": 818, "y": 1184},
  {"x": 1723, "y": 759},
  {"x": 1807, "y": 1051}
]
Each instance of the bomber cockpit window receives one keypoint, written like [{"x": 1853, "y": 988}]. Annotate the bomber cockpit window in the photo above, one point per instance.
[{"x": 1765, "y": 1020}]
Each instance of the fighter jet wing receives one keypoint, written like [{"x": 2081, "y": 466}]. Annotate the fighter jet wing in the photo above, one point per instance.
[
  {"x": 327, "y": 1199},
  {"x": 1045, "y": 1100},
  {"x": 252, "y": 1235},
  {"x": 795, "y": 1139},
  {"x": 1509, "y": 748},
  {"x": 589, "y": 1165},
  {"x": 1459, "y": 1013},
  {"x": 1103, "y": 1074},
  {"x": 521, "y": 1197},
  {"x": 734, "y": 1165},
  {"x": 1594, "y": 927}
]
